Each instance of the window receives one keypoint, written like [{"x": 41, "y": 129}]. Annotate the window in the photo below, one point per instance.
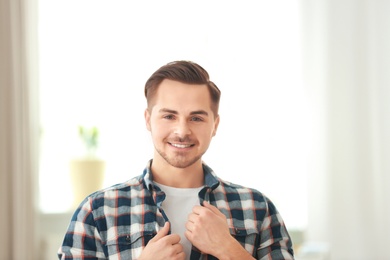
[{"x": 95, "y": 57}]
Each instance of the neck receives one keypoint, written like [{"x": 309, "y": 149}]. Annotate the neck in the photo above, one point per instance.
[{"x": 189, "y": 177}]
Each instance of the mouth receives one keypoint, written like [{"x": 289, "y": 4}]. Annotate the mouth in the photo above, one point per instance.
[{"x": 181, "y": 146}]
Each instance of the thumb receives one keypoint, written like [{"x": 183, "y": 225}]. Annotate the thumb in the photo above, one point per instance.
[{"x": 162, "y": 232}]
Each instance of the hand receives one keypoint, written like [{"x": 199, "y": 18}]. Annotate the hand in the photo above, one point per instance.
[
  {"x": 163, "y": 246},
  {"x": 207, "y": 229}
]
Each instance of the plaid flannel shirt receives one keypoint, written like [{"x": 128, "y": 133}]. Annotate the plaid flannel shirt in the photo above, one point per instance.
[{"x": 118, "y": 222}]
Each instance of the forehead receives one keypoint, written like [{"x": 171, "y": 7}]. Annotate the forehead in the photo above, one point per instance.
[{"x": 182, "y": 96}]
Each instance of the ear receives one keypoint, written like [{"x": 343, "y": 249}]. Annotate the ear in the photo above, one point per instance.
[
  {"x": 147, "y": 119},
  {"x": 216, "y": 123}
]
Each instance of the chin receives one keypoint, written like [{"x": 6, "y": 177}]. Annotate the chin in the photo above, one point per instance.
[{"x": 182, "y": 164}]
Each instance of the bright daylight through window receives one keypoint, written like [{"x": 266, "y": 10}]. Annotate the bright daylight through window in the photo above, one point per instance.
[{"x": 95, "y": 57}]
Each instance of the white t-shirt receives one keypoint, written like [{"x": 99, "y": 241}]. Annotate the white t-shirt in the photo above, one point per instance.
[{"x": 177, "y": 206}]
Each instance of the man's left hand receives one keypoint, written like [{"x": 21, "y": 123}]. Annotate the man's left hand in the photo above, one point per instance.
[{"x": 207, "y": 229}]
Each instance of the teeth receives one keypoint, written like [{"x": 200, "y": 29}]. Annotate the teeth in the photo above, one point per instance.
[{"x": 181, "y": 145}]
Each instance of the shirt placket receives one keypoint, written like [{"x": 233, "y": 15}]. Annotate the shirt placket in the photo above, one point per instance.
[{"x": 159, "y": 197}]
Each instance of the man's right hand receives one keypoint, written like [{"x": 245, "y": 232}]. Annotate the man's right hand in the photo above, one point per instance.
[{"x": 163, "y": 246}]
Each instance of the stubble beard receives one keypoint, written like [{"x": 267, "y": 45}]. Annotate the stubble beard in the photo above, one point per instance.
[{"x": 179, "y": 160}]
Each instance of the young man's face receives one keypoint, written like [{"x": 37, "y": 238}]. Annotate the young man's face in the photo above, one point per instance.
[{"x": 181, "y": 123}]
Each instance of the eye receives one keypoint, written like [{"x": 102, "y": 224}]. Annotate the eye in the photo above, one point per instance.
[
  {"x": 169, "y": 117},
  {"x": 196, "y": 119}
]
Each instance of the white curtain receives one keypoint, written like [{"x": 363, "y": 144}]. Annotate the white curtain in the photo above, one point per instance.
[
  {"x": 18, "y": 130},
  {"x": 347, "y": 73}
]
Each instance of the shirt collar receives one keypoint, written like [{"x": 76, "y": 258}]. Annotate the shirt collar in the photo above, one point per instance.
[{"x": 210, "y": 178}]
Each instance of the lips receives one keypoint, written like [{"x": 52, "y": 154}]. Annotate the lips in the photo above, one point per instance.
[{"x": 181, "y": 145}]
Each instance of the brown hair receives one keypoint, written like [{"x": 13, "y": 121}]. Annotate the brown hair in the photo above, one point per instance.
[{"x": 186, "y": 72}]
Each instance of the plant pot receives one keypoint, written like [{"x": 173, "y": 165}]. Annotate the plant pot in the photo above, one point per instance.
[{"x": 87, "y": 176}]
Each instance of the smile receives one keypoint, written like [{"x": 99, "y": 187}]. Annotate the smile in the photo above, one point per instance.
[{"x": 181, "y": 145}]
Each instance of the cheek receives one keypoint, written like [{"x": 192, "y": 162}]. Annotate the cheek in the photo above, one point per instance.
[
  {"x": 159, "y": 130},
  {"x": 206, "y": 136}
]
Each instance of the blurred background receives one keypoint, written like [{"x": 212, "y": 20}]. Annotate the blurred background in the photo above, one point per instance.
[{"x": 305, "y": 114}]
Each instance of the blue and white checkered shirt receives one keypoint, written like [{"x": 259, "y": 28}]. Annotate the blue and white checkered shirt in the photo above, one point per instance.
[{"x": 118, "y": 222}]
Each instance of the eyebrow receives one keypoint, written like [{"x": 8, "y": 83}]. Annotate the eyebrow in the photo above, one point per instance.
[{"x": 196, "y": 112}]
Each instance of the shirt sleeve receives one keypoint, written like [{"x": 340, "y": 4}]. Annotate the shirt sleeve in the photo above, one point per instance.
[
  {"x": 275, "y": 242},
  {"x": 82, "y": 239}
]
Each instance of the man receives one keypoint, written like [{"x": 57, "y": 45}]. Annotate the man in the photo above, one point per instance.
[{"x": 178, "y": 208}]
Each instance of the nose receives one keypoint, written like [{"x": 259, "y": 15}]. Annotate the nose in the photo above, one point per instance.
[{"x": 182, "y": 129}]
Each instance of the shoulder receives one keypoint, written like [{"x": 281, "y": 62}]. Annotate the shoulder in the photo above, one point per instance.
[
  {"x": 104, "y": 208},
  {"x": 113, "y": 196},
  {"x": 243, "y": 199},
  {"x": 234, "y": 191},
  {"x": 131, "y": 184},
  {"x": 229, "y": 191}
]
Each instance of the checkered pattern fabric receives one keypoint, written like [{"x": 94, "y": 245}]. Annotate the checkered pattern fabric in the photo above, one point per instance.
[{"x": 118, "y": 222}]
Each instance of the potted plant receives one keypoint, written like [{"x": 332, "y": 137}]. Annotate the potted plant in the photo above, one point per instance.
[{"x": 87, "y": 173}]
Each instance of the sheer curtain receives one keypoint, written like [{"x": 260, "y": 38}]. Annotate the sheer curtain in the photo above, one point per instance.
[
  {"x": 18, "y": 130},
  {"x": 347, "y": 61}
]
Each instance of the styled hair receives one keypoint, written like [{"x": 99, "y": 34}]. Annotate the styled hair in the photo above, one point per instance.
[{"x": 186, "y": 72}]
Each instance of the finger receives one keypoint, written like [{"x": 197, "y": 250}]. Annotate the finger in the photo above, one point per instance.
[
  {"x": 181, "y": 255},
  {"x": 197, "y": 209},
  {"x": 162, "y": 232},
  {"x": 178, "y": 248},
  {"x": 202, "y": 210},
  {"x": 172, "y": 239},
  {"x": 189, "y": 225},
  {"x": 191, "y": 218},
  {"x": 194, "y": 214},
  {"x": 212, "y": 208}
]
